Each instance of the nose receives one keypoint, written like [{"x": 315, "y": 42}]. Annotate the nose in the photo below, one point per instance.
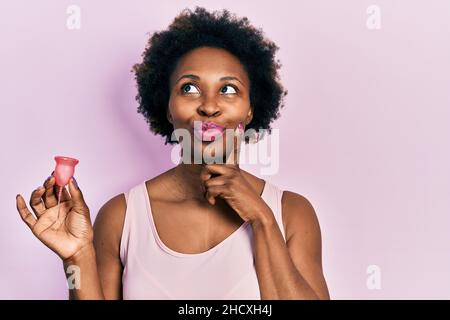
[{"x": 209, "y": 108}]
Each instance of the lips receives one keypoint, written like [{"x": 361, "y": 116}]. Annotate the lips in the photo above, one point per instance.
[{"x": 207, "y": 131}]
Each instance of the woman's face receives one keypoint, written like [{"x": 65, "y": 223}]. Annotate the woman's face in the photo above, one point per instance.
[{"x": 209, "y": 85}]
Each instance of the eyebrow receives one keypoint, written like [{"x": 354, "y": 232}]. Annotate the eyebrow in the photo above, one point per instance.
[{"x": 195, "y": 77}]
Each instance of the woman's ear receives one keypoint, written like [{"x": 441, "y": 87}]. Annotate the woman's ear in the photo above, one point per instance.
[
  {"x": 169, "y": 116},
  {"x": 249, "y": 116}
]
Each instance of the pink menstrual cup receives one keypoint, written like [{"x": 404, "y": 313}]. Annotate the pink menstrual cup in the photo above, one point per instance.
[{"x": 64, "y": 170}]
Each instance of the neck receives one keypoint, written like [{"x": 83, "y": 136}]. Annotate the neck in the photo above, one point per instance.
[{"x": 188, "y": 178}]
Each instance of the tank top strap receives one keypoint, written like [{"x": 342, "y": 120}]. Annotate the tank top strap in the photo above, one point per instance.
[
  {"x": 272, "y": 195},
  {"x": 135, "y": 219},
  {"x": 126, "y": 196}
]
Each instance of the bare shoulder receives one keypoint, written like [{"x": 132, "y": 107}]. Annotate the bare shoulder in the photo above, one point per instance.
[
  {"x": 299, "y": 217},
  {"x": 109, "y": 223},
  {"x": 107, "y": 235},
  {"x": 304, "y": 240}
]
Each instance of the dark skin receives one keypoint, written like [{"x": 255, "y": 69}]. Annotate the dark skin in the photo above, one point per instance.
[{"x": 216, "y": 200}]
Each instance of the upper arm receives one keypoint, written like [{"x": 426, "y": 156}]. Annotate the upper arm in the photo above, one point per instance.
[
  {"x": 107, "y": 234},
  {"x": 303, "y": 239}
]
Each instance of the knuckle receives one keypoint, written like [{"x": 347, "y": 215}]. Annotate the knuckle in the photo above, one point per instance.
[{"x": 208, "y": 183}]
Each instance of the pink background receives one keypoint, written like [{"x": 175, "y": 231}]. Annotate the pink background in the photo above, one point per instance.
[{"x": 369, "y": 110}]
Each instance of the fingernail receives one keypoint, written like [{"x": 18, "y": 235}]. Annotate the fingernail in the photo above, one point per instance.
[
  {"x": 75, "y": 183},
  {"x": 240, "y": 126}
]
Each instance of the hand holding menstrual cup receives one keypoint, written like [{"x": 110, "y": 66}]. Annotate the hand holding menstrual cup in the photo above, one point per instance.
[{"x": 63, "y": 225}]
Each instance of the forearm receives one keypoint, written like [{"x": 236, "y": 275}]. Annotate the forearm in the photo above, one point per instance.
[
  {"x": 82, "y": 275},
  {"x": 277, "y": 275}
]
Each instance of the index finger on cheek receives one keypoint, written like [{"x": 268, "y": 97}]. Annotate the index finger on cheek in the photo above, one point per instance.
[{"x": 233, "y": 157}]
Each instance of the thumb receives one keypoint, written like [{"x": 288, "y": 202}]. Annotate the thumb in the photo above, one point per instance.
[{"x": 77, "y": 195}]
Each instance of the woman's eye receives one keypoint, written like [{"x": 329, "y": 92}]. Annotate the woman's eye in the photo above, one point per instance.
[
  {"x": 187, "y": 88},
  {"x": 233, "y": 90}
]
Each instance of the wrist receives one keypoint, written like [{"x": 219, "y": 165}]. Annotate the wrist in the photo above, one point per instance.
[
  {"x": 87, "y": 252},
  {"x": 265, "y": 218}
]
